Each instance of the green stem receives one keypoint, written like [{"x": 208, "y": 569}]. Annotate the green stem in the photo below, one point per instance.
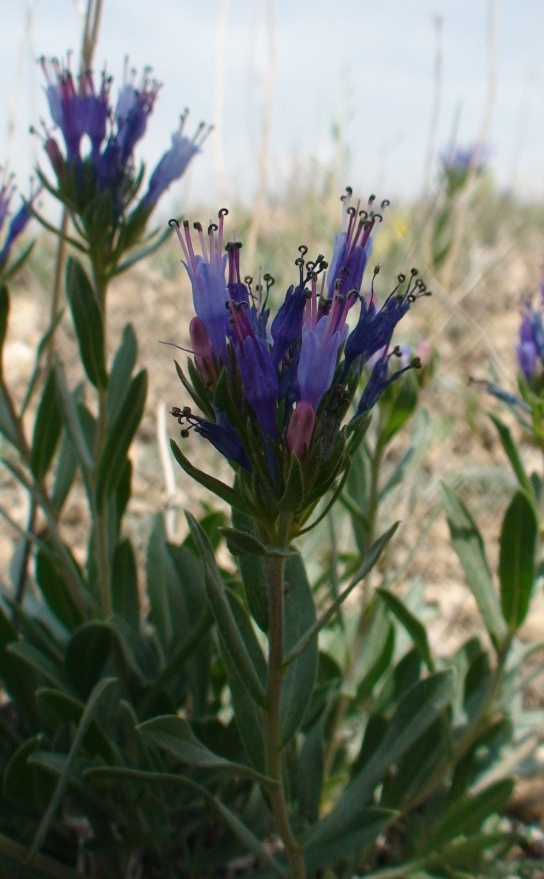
[{"x": 275, "y": 573}]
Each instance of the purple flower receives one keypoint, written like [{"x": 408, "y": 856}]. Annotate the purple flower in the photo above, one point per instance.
[
  {"x": 260, "y": 380},
  {"x": 530, "y": 350},
  {"x": 207, "y": 276},
  {"x": 18, "y": 221},
  {"x": 285, "y": 378},
  {"x": 79, "y": 109},
  {"x": 352, "y": 247},
  {"x": 173, "y": 163},
  {"x": 287, "y": 325}
]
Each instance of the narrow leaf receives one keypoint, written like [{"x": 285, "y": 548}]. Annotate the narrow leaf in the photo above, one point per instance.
[
  {"x": 513, "y": 455},
  {"x": 223, "y": 614},
  {"x": 369, "y": 561},
  {"x": 110, "y": 468},
  {"x": 175, "y": 736},
  {"x": 47, "y": 428},
  {"x": 517, "y": 559},
  {"x": 415, "y": 629},
  {"x": 88, "y": 323},
  {"x": 88, "y": 715},
  {"x": 229, "y": 495},
  {"x": 468, "y": 544}
]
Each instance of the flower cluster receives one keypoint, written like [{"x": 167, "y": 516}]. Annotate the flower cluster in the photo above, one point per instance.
[
  {"x": 18, "y": 220},
  {"x": 99, "y": 140},
  {"x": 274, "y": 390},
  {"x": 457, "y": 163},
  {"x": 530, "y": 349}
]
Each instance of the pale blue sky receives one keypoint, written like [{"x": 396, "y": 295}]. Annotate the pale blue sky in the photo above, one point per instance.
[{"x": 367, "y": 63}]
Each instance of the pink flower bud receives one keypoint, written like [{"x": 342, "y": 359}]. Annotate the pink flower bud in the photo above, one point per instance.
[
  {"x": 301, "y": 428},
  {"x": 202, "y": 347}
]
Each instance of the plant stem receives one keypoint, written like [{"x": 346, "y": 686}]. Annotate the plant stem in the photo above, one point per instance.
[{"x": 276, "y": 605}]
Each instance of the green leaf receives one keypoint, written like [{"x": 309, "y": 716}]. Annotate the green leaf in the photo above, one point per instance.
[
  {"x": 365, "y": 827},
  {"x": 88, "y": 715},
  {"x": 57, "y": 708},
  {"x": 88, "y": 323},
  {"x": 54, "y": 590},
  {"x": 468, "y": 544},
  {"x": 110, "y": 468},
  {"x": 229, "y": 495},
  {"x": 72, "y": 421},
  {"x": 47, "y": 428},
  {"x": 65, "y": 471},
  {"x": 244, "y": 543},
  {"x": 18, "y": 680},
  {"x": 415, "y": 629},
  {"x": 44, "y": 667},
  {"x": 400, "y": 399},
  {"x": 120, "y": 373},
  {"x": 369, "y": 561},
  {"x": 175, "y": 736},
  {"x": 166, "y": 598},
  {"x": 299, "y": 681},
  {"x": 86, "y": 654},
  {"x": 247, "y": 715},
  {"x": 517, "y": 559},
  {"x": 417, "y": 710},
  {"x": 8, "y": 418},
  {"x": 468, "y": 814},
  {"x": 293, "y": 496},
  {"x": 4, "y": 315},
  {"x": 253, "y": 571},
  {"x": 19, "y": 778},
  {"x": 124, "y": 585},
  {"x": 310, "y": 772},
  {"x": 14, "y": 859},
  {"x": 247, "y": 838},
  {"x": 513, "y": 455},
  {"x": 223, "y": 614}
]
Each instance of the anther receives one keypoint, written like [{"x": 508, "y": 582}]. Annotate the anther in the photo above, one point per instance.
[{"x": 173, "y": 222}]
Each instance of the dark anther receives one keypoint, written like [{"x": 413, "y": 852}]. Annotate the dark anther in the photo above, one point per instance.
[
  {"x": 377, "y": 269},
  {"x": 173, "y": 222},
  {"x": 197, "y": 226},
  {"x": 372, "y": 199},
  {"x": 269, "y": 281},
  {"x": 414, "y": 272},
  {"x": 223, "y": 212},
  {"x": 401, "y": 278},
  {"x": 351, "y": 211},
  {"x": 186, "y": 224},
  {"x": 303, "y": 250},
  {"x": 385, "y": 203},
  {"x": 377, "y": 217},
  {"x": 363, "y": 215},
  {"x": 416, "y": 362},
  {"x": 176, "y": 411},
  {"x": 213, "y": 227},
  {"x": 349, "y": 193},
  {"x": 248, "y": 280},
  {"x": 184, "y": 433}
]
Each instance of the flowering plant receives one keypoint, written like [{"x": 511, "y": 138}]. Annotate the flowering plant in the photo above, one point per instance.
[
  {"x": 96, "y": 176},
  {"x": 275, "y": 397}
]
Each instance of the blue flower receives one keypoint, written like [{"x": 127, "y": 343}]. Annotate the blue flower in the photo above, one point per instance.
[
  {"x": 286, "y": 377},
  {"x": 79, "y": 109},
  {"x": 173, "y": 163},
  {"x": 18, "y": 221}
]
